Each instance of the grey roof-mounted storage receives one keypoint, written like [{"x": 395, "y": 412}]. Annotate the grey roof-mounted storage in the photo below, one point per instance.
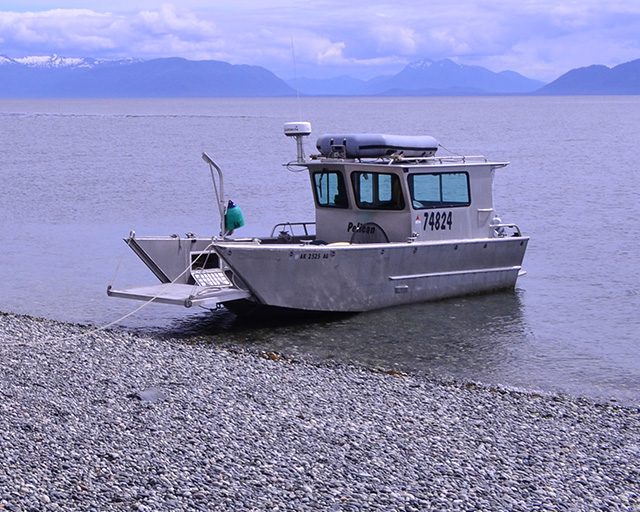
[{"x": 377, "y": 145}]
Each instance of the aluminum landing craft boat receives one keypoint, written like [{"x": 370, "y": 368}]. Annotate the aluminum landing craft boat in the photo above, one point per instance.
[{"x": 394, "y": 224}]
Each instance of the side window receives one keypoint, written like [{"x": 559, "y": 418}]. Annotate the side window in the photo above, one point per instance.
[
  {"x": 330, "y": 189},
  {"x": 377, "y": 191},
  {"x": 442, "y": 190}
]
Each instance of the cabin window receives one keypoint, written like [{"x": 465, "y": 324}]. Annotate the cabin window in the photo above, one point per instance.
[
  {"x": 330, "y": 189},
  {"x": 377, "y": 191},
  {"x": 442, "y": 190}
]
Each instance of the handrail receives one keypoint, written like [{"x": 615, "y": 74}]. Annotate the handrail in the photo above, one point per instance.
[
  {"x": 291, "y": 225},
  {"x": 220, "y": 200},
  {"x": 500, "y": 229},
  {"x": 448, "y": 159},
  {"x": 415, "y": 160}
]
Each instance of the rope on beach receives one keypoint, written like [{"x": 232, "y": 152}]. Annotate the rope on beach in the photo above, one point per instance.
[{"x": 101, "y": 328}]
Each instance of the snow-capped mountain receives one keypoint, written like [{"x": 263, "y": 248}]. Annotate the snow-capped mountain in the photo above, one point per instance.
[
  {"x": 60, "y": 77},
  {"x": 55, "y": 61}
]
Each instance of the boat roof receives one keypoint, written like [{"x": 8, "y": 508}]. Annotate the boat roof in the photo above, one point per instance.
[
  {"x": 450, "y": 160},
  {"x": 379, "y": 149},
  {"x": 374, "y": 148}
]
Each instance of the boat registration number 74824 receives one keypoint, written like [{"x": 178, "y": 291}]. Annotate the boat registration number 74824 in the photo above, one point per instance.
[{"x": 437, "y": 221}]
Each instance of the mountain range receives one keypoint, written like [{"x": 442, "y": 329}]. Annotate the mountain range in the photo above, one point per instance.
[
  {"x": 597, "y": 79},
  {"x": 58, "y": 77},
  {"x": 426, "y": 78}
]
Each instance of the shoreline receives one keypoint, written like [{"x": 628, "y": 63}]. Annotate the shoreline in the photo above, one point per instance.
[{"x": 101, "y": 420}]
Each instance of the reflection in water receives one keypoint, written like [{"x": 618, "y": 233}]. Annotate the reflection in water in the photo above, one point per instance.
[
  {"x": 481, "y": 338},
  {"x": 470, "y": 336}
]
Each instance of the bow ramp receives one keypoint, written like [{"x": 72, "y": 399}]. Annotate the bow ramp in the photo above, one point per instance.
[{"x": 212, "y": 288}]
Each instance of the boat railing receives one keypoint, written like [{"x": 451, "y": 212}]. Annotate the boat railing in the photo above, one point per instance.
[
  {"x": 442, "y": 160},
  {"x": 293, "y": 228},
  {"x": 504, "y": 230},
  {"x": 400, "y": 159}
]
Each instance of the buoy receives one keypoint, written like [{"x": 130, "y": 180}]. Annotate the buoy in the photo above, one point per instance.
[{"x": 233, "y": 219}]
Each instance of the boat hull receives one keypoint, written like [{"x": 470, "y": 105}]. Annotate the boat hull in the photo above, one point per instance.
[
  {"x": 324, "y": 278},
  {"x": 362, "y": 277}
]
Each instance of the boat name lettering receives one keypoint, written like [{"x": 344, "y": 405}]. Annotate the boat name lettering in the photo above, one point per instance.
[
  {"x": 360, "y": 228},
  {"x": 437, "y": 221}
]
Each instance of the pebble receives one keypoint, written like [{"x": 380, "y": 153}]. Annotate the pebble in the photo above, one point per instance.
[{"x": 115, "y": 420}]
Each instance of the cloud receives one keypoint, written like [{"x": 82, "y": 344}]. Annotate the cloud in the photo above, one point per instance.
[
  {"x": 166, "y": 21},
  {"x": 49, "y": 28},
  {"x": 54, "y": 30},
  {"x": 363, "y": 38},
  {"x": 83, "y": 32}
]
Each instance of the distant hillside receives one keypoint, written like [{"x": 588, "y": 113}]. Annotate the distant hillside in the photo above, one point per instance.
[
  {"x": 446, "y": 74},
  {"x": 426, "y": 78},
  {"x": 54, "y": 77},
  {"x": 621, "y": 79},
  {"x": 57, "y": 77}
]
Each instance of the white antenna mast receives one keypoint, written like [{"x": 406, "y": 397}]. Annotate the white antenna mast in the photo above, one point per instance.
[
  {"x": 295, "y": 73},
  {"x": 301, "y": 129}
]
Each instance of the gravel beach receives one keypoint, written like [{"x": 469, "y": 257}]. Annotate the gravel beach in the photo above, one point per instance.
[{"x": 114, "y": 420}]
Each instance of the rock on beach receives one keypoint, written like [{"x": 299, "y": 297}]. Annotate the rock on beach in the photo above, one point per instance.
[{"x": 114, "y": 420}]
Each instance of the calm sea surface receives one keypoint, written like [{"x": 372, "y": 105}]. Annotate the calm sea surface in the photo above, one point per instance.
[{"x": 78, "y": 175}]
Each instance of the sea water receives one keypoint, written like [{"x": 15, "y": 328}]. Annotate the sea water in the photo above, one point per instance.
[{"x": 78, "y": 175}]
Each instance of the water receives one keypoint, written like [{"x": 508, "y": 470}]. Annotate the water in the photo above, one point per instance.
[{"x": 78, "y": 175}]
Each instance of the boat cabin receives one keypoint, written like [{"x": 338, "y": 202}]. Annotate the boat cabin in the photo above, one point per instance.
[{"x": 377, "y": 188}]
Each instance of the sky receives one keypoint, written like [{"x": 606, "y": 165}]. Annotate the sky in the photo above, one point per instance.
[{"x": 541, "y": 39}]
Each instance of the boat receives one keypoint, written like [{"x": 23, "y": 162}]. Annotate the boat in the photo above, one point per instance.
[{"x": 395, "y": 223}]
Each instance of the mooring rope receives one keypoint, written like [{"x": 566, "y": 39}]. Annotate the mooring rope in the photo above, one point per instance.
[{"x": 122, "y": 318}]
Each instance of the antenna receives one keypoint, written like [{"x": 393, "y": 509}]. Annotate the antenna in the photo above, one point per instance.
[
  {"x": 299, "y": 131},
  {"x": 295, "y": 74}
]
